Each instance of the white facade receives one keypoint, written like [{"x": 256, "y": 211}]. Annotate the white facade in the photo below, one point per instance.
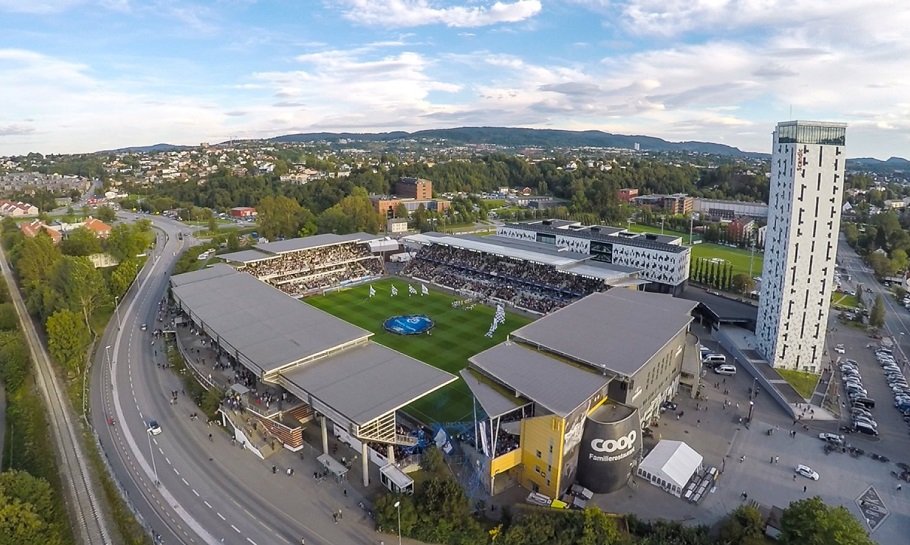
[
  {"x": 662, "y": 263},
  {"x": 807, "y": 179}
]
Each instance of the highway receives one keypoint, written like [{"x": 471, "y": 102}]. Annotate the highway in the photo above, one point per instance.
[
  {"x": 83, "y": 494},
  {"x": 210, "y": 491}
]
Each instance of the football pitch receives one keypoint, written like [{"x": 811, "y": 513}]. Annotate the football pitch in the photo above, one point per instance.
[{"x": 457, "y": 335}]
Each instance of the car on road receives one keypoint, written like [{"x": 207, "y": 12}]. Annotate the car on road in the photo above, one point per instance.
[
  {"x": 153, "y": 428},
  {"x": 831, "y": 438},
  {"x": 806, "y": 472},
  {"x": 144, "y": 327},
  {"x": 840, "y": 349}
]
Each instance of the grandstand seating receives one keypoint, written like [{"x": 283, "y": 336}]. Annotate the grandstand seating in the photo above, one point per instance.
[
  {"x": 316, "y": 269},
  {"x": 533, "y": 286}
]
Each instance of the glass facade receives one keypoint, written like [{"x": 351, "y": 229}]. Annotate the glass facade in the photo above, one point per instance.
[{"x": 798, "y": 133}]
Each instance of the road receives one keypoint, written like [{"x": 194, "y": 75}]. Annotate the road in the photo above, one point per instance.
[
  {"x": 209, "y": 491},
  {"x": 897, "y": 318},
  {"x": 83, "y": 493}
]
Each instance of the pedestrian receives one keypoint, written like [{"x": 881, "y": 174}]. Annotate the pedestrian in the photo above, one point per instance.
[
  {"x": 345, "y": 492},
  {"x": 339, "y": 513},
  {"x": 794, "y": 476},
  {"x": 742, "y": 458},
  {"x": 805, "y": 488},
  {"x": 777, "y": 459},
  {"x": 335, "y": 518},
  {"x": 772, "y": 459},
  {"x": 899, "y": 487}
]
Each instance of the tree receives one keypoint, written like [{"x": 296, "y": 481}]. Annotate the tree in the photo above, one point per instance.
[
  {"x": 38, "y": 260},
  {"x": 898, "y": 260},
  {"x": 812, "y": 522},
  {"x": 129, "y": 240},
  {"x": 742, "y": 283},
  {"x": 14, "y": 359},
  {"x": 123, "y": 276},
  {"x": 431, "y": 459},
  {"x": 106, "y": 214},
  {"x": 401, "y": 211},
  {"x": 742, "y": 527},
  {"x": 877, "y": 315},
  {"x": 80, "y": 242},
  {"x": 233, "y": 241},
  {"x": 278, "y": 217},
  {"x": 81, "y": 286},
  {"x": 67, "y": 338}
]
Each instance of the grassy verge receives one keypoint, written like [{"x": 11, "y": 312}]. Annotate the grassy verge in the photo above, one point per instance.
[
  {"x": 844, "y": 300},
  {"x": 803, "y": 383},
  {"x": 457, "y": 335}
]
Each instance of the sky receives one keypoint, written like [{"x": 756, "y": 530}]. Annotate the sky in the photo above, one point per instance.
[{"x": 87, "y": 75}]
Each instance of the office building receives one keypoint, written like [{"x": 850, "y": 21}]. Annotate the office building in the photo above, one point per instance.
[
  {"x": 807, "y": 178},
  {"x": 414, "y": 188}
]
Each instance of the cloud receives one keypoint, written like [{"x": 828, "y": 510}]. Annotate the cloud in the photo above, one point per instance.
[
  {"x": 15, "y": 129},
  {"x": 414, "y": 13}
]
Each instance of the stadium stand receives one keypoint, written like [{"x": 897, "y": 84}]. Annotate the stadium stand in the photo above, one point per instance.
[
  {"x": 306, "y": 267},
  {"x": 532, "y": 286}
]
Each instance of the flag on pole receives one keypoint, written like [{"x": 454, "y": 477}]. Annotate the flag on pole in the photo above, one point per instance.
[
  {"x": 372, "y": 291},
  {"x": 424, "y": 290},
  {"x": 411, "y": 290},
  {"x": 394, "y": 291},
  {"x": 500, "y": 317}
]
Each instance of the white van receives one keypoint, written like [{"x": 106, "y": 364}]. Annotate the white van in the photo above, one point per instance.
[
  {"x": 714, "y": 359},
  {"x": 725, "y": 369}
]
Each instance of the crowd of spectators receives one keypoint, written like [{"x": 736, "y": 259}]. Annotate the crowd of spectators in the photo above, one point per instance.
[
  {"x": 315, "y": 269},
  {"x": 532, "y": 286}
]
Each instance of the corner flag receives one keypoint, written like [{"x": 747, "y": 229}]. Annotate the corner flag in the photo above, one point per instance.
[
  {"x": 394, "y": 291},
  {"x": 424, "y": 290},
  {"x": 372, "y": 291},
  {"x": 411, "y": 290}
]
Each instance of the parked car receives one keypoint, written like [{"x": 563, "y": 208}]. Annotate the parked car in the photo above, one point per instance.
[
  {"x": 840, "y": 349},
  {"x": 806, "y": 472},
  {"x": 868, "y": 430}
]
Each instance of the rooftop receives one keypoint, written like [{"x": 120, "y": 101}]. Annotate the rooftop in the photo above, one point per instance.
[
  {"x": 558, "y": 386},
  {"x": 618, "y": 331},
  {"x": 315, "y": 241},
  {"x": 246, "y": 256},
  {"x": 268, "y": 329},
  {"x": 367, "y": 381},
  {"x": 612, "y": 235}
]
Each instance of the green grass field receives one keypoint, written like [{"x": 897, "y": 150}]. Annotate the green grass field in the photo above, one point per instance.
[
  {"x": 457, "y": 335},
  {"x": 803, "y": 383},
  {"x": 737, "y": 256},
  {"x": 640, "y": 228}
]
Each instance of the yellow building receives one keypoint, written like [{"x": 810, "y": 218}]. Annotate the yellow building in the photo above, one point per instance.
[{"x": 563, "y": 399}]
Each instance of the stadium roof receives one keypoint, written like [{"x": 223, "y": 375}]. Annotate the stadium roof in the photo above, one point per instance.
[
  {"x": 201, "y": 274},
  {"x": 558, "y": 386},
  {"x": 536, "y": 252},
  {"x": 266, "y": 327},
  {"x": 367, "y": 381},
  {"x": 315, "y": 241},
  {"x": 619, "y": 330},
  {"x": 246, "y": 256},
  {"x": 725, "y": 310},
  {"x": 492, "y": 400}
]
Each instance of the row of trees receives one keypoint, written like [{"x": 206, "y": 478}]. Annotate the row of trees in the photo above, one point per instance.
[
  {"x": 63, "y": 288},
  {"x": 439, "y": 512},
  {"x": 713, "y": 273},
  {"x": 30, "y": 511}
]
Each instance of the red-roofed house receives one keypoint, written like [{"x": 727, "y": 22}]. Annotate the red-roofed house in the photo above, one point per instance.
[
  {"x": 31, "y": 229},
  {"x": 101, "y": 229},
  {"x": 17, "y": 209}
]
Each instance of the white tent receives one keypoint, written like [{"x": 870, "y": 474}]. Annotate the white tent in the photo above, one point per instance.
[{"x": 670, "y": 465}]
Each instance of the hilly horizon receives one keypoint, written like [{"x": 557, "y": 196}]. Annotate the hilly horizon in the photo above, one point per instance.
[{"x": 525, "y": 137}]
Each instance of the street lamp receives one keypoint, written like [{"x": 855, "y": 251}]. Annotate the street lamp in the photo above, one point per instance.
[
  {"x": 751, "y": 408},
  {"x": 117, "y": 310},
  {"x": 398, "y": 506}
]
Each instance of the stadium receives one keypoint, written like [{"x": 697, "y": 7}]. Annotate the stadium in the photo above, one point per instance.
[{"x": 379, "y": 359}]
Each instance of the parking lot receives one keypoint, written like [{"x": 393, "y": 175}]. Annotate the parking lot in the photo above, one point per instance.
[{"x": 857, "y": 483}]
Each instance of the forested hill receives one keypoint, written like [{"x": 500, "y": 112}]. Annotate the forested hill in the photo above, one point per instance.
[{"x": 518, "y": 137}]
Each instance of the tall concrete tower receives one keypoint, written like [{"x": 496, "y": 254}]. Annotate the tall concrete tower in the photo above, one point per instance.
[{"x": 807, "y": 184}]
